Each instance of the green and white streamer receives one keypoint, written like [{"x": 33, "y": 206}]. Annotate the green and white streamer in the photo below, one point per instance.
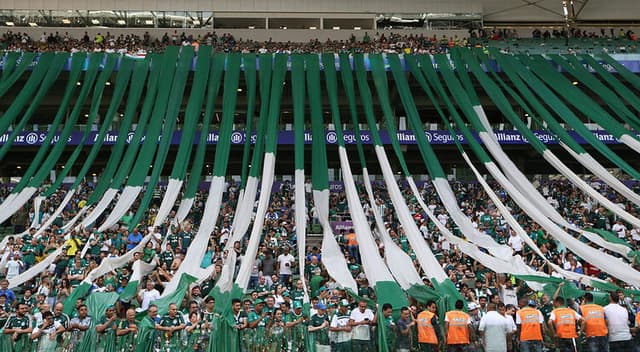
[
  {"x": 192, "y": 114},
  {"x": 197, "y": 249}
]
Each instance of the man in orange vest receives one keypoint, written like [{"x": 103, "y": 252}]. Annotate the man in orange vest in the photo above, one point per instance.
[
  {"x": 457, "y": 325},
  {"x": 352, "y": 245},
  {"x": 563, "y": 323},
  {"x": 429, "y": 336},
  {"x": 594, "y": 325},
  {"x": 530, "y": 323}
]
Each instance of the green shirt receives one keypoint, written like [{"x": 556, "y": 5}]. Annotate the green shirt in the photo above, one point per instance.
[
  {"x": 167, "y": 321},
  {"x": 322, "y": 335}
]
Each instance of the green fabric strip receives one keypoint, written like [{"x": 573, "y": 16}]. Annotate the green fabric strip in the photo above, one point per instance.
[
  {"x": 36, "y": 166},
  {"x": 573, "y": 95},
  {"x": 561, "y": 110},
  {"x": 215, "y": 72},
  {"x": 622, "y": 71},
  {"x": 229, "y": 99},
  {"x": 531, "y": 105},
  {"x": 192, "y": 113},
  {"x": 25, "y": 63},
  {"x": 463, "y": 75},
  {"x": 332, "y": 85},
  {"x": 365, "y": 95},
  {"x": 265, "y": 62},
  {"x": 174, "y": 103},
  {"x": 9, "y": 64},
  {"x": 571, "y": 64},
  {"x": 122, "y": 81},
  {"x": 499, "y": 99},
  {"x": 319, "y": 166},
  {"x": 277, "y": 86},
  {"x": 298, "y": 91},
  {"x": 54, "y": 67},
  {"x": 382, "y": 88},
  {"x": 150, "y": 144},
  {"x": 117, "y": 167},
  {"x": 93, "y": 113},
  {"x": 249, "y": 63},
  {"x": 617, "y": 86},
  {"x": 54, "y": 154}
]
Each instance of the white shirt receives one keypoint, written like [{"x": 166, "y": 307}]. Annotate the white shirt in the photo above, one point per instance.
[
  {"x": 361, "y": 332},
  {"x": 617, "y": 322},
  {"x": 509, "y": 296},
  {"x": 13, "y": 268},
  {"x": 148, "y": 297},
  {"x": 286, "y": 262},
  {"x": 516, "y": 243},
  {"x": 495, "y": 328}
]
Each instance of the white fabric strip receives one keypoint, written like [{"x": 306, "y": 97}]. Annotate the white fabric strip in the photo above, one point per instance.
[
  {"x": 399, "y": 262},
  {"x": 197, "y": 249},
  {"x": 631, "y": 142},
  {"x": 99, "y": 208},
  {"x": 599, "y": 171},
  {"x": 301, "y": 228},
  {"x": 12, "y": 206},
  {"x": 331, "y": 253},
  {"x": 607, "y": 263},
  {"x": 168, "y": 201},
  {"x": 268, "y": 171},
  {"x": 126, "y": 200},
  {"x": 374, "y": 267},
  {"x": 35, "y": 270}
]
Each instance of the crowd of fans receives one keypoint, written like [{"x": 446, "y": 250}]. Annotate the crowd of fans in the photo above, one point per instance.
[
  {"x": 375, "y": 43},
  {"x": 498, "y": 313}
]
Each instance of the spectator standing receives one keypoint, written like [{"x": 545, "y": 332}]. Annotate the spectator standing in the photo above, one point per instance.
[
  {"x": 285, "y": 265},
  {"x": 494, "y": 330},
  {"x": 530, "y": 322},
  {"x": 618, "y": 325},
  {"x": 429, "y": 335},
  {"x": 563, "y": 322},
  {"x": 458, "y": 330},
  {"x": 594, "y": 325},
  {"x": 360, "y": 320}
]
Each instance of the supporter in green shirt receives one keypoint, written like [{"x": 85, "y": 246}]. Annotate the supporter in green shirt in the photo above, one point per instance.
[
  {"x": 106, "y": 330},
  {"x": 171, "y": 325},
  {"x": 257, "y": 320},
  {"x": 19, "y": 327},
  {"x": 319, "y": 329},
  {"x": 126, "y": 331}
]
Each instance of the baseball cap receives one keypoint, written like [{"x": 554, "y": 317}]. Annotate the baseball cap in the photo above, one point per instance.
[
  {"x": 472, "y": 306},
  {"x": 344, "y": 303},
  {"x": 320, "y": 306},
  {"x": 532, "y": 303},
  {"x": 258, "y": 301},
  {"x": 297, "y": 304}
]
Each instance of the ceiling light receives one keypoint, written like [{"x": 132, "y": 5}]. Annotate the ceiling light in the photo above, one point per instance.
[
  {"x": 18, "y": 167},
  {"x": 9, "y": 23},
  {"x": 575, "y": 83},
  {"x": 357, "y": 28},
  {"x": 252, "y": 27},
  {"x": 148, "y": 22},
  {"x": 122, "y": 22},
  {"x": 33, "y": 24},
  {"x": 95, "y": 21},
  {"x": 239, "y": 89},
  {"x": 107, "y": 83},
  {"x": 78, "y": 83},
  {"x": 336, "y": 27},
  {"x": 313, "y": 27},
  {"x": 66, "y": 21}
]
